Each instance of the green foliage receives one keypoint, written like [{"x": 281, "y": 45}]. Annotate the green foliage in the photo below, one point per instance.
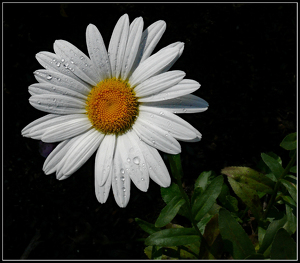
[
  {"x": 235, "y": 239},
  {"x": 264, "y": 199}
]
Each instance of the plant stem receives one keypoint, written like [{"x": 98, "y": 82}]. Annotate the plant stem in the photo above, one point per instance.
[
  {"x": 284, "y": 173},
  {"x": 177, "y": 173}
]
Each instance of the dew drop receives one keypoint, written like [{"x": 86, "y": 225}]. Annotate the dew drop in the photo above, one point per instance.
[
  {"x": 123, "y": 188},
  {"x": 53, "y": 88},
  {"x": 123, "y": 178},
  {"x": 62, "y": 60},
  {"x": 136, "y": 160},
  {"x": 58, "y": 64},
  {"x": 49, "y": 77},
  {"x": 128, "y": 160},
  {"x": 39, "y": 102},
  {"x": 81, "y": 57},
  {"x": 122, "y": 171},
  {"x": 151, "y": 115},
  {"x": 143, "y": 179}
]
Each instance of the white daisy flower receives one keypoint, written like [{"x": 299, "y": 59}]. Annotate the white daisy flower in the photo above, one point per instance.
[{"x": 120, "y": 104}]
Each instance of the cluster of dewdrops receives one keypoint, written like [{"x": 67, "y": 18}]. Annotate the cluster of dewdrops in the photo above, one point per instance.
[{"x": 112, "y": 106}]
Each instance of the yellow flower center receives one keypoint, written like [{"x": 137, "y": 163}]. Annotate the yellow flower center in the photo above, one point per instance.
[{"x": 112, "y": 106}]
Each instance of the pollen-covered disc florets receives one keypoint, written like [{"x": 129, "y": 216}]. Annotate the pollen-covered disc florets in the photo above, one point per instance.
[{"x": 112, "y": 106}]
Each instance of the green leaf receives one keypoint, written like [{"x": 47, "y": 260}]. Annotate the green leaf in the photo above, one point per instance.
[
  {"x": 274, "y": 165},
  {"x": 283, "y": 247},
  {"x": 236, "y": 241},
  {"x": 248, "y": 196},
  {"x": 201, "y": 225},
  {"x": 169, "y": 211},
  {"x": 251, "y": 178},
  {"x": 288, "y": 200},
  {"x": 229, "y": 202},
  {"x": 291, "y": 224},
  {"x": 289, "y": 142},
  {"x": 169, "y": 193},
  {"x": 202, "y": 180},
  {"x": 291, "y": 188},
  {"x": 270, "y": 233},
  {"x": 261, "y": 234},
  {"x": 173, "y": 237},
  {"x": 205, "y": 201},
  {"x": 293, "y": 169},
  {"x": 147, "y": 227}
]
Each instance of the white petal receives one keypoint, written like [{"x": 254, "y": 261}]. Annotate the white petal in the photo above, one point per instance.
[
  {"x": 79, "y": 63},
  {"x": 180, "y": 46},
  {"x": 149, "y": 40},
  {"x": 79, "y": 153},
  {"x": 42, "y": 125},
  {"x": 57, "y": 155},
  {"x": 133, "y": 160},
  {"x": 159, "y": 83},
  {"x": 27, "y": 129},
  {"x": 97, "y": 51},
  {"x": 169, "y": 122},
  {"x": 67, "y": 129},
  {"x": 117, "y": 45},
  {"x": 53, "y": 62},
  {"x": 47, "y": 88},
  {"x": 185, "y": 104},
  {"x": 156, "y": 167},
  {"x": 156, "y": 137},
  {"x": 120, "y": 180},
  {"x": 57, "y": 104},
  {"x": 58, "y": 79},
  {"x": 104, "y": 157},
  {"x": 102, "y": 192},
  {"x": 153, "y": 66},
  {"x": 132, "y": 46},
  {"x": 184, "y": 87}
]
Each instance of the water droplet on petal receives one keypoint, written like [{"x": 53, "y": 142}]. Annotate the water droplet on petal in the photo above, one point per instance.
[
  {"x": 49, "y": 77},
  {"x": 128, "y": 160},
  {"x": 123, "y": 188},
  {"x": 58, "y": 64},
  {"x": 122, "y": 171},
  {"x": 123, "y": 178},
  {"x": 136, "y": 160}
]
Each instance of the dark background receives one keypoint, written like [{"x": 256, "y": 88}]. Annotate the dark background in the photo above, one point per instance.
[{"x": 244, "y": 56}]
